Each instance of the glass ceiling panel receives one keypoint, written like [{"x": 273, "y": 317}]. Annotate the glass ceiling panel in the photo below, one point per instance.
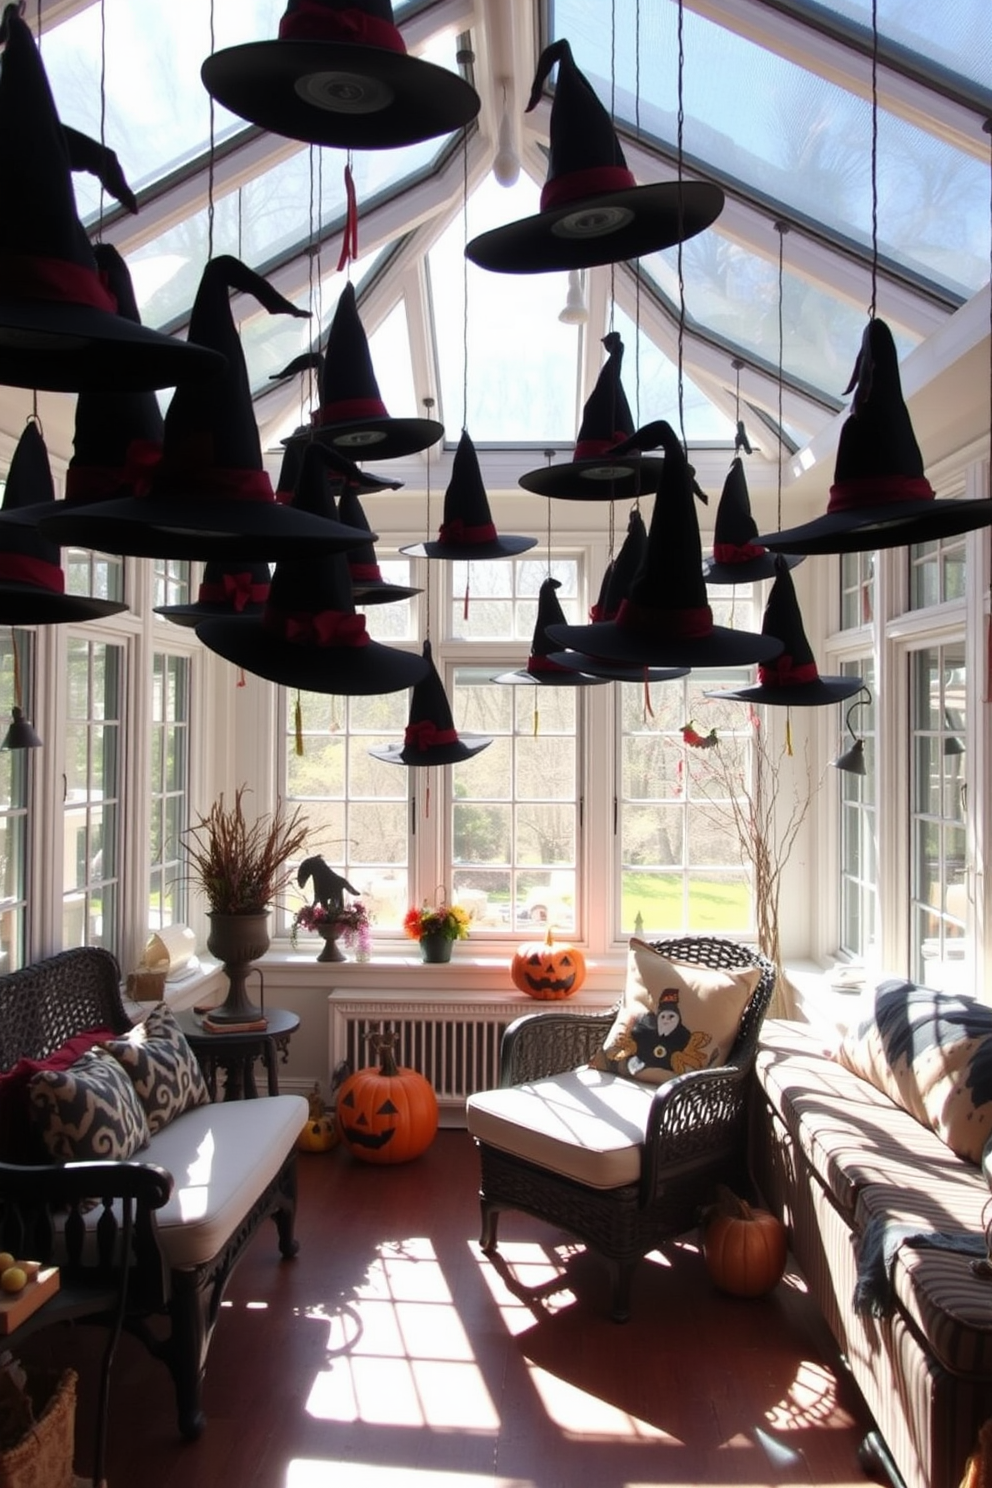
[
  {"x": 734, "y": 295},
  {"x": 953, "y": 36},
  {"x": 274, "y": 210},
  {"x": 522, "y": 362},
  {"x": 790, "y": 135},
  {"x": 651, "y": 382},
  {"x": 157, "y": 109}
]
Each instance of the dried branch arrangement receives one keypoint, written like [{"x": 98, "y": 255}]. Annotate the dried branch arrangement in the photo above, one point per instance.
[{"x": 242, "y": 866}]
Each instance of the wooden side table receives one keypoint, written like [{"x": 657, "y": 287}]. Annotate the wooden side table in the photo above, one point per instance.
[{"x": 236, "y": 1053}]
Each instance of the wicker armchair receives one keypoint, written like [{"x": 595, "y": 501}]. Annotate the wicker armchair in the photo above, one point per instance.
[{"x": 695, "y": 1134}]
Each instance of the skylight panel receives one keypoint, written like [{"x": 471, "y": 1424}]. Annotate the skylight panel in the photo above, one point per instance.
[
  {"x": 791, "y": 137},
  {"x": 955, "y": 37},
  {"x": 651, "y": 382}
]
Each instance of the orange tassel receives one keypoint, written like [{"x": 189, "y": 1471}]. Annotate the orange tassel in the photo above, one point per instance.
[
  {"x": 648, "y": 710},
  {"x": 298, "y": 725},
  {"x": 465, "y": 601},
  {"x": 427, "y": 802},
  {"x": 241, "y": 678},
  {"x": 788, "y": 736},
  {"x": 537, "y": 720}
]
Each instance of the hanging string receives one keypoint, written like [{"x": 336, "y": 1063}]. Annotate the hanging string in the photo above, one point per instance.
[
  {"x": 680, "y": 210},
  {"x": 428, "y": 405},
  {"x": 637, "y": 271},
  {"x": 468, "y": 564},
  {"x": 210, "y": 153},
  {"x": 874, "y": 157},
  {"x": 781, "y": 228},
  {"x": 103, "y": 108}
]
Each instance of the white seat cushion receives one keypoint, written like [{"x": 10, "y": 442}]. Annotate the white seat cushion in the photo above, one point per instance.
[
  {"x": 586, "y": 1124},
  {"x": 221, "y": 1157}
]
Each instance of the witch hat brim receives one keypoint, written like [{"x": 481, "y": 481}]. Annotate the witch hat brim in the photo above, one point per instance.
[
  {"x": 67, "y": 348},
  {"x": 25, "y": 604},
  {"x": 331, "y": 93},
  {"x": 818, "y": 693},
  {"x": 622, "y": 478},
  {"x": 375, "y": 438},
  {"x": 451, "y": 753},
  {"x": 351, "y": 671},
  {"x": 890, "y": 525},
  {"x": 749, "y": 570},
  {"x": 608, "y": 671},
  {"x": 549, "y": 672},
  {"x": 467, "y": 552},
  {"x": 610, "y": 227}
]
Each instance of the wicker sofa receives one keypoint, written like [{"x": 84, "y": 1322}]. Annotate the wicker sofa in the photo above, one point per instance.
[
  {"x": 839, "y": 1161},
  {"x": 192, "y": 1198}
]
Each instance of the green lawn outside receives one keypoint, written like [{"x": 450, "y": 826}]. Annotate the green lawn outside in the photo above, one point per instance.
[{"x": 721, "y": 908}]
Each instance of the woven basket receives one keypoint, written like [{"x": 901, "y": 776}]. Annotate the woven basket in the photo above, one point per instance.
[{"x": 43, "y": 1456}]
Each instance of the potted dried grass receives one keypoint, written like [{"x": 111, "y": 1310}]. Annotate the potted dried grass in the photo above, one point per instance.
[{"x": 241, "y": 867}]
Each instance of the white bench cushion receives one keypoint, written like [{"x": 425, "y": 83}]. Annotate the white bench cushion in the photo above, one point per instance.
[
  {"x": 221, "y": 1157},
  {"x": 586, "y": 1124}
]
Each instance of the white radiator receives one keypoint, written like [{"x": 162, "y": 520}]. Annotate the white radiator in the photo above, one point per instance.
[{"x": 455, "y": 1044}]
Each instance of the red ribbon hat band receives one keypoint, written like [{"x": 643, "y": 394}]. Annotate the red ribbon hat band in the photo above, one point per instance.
[
  {"x": 235, "y": 589},
  {"x": 426, "y": 734},
  {"x": 576, "y": 186},
  {"x": 852, "y": 494},
  {"x": 314, "y": 22},
  {"x": 325, "y": 628},
  {"x": 19, "y": 568},
  {"x": 688, "y": 624},
  {"x": 56, "y": 279},
  {"x": 784, "y": 672}
]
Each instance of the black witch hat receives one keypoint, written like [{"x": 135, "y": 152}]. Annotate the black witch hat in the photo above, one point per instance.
[
  {"x": 592, "y": 474},
  {"x": 308, "y": 634},
  {"x": 32, "y": 582},
  {"x": 59, "y": 323},
  {"x": 467, "y": 531},
  {"x": 791, "y": 679},
  {"x": 592, "y": 210},
  {"x": 431, "y": 737},
  {"x": 343, "y": 472},
  {"x": 339, "y": 74},
  {"x": 210, "y": 496},
  {"x": 880, "y": 497},
  {"x": 367, "y": 583},
  {"x": 665, "y": 621},
  {"x": 117, "y": 441},
  {"x": 540, "y": 669},
  {"x": 231, "y": 587},
  {"x": 738, "y": 557},
  {"x": 351, "y": 415}
]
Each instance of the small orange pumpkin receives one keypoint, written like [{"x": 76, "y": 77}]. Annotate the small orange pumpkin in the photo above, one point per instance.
[
  {"x": 547, "y": 970},
  {"x": 320, "y": 1133},
  {"x": 744, "y": 1249},
  {"x": 386, "y": 1114}
]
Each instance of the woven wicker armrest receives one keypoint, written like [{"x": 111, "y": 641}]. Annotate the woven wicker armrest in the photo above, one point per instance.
[{"x": 542, "y": 1044}]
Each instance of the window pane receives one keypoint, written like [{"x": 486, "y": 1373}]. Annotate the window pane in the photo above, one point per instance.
[
  {"x": 938, "y": 858},
  {"x": 858, "y": 825},
  {"x": 168, "y": 789},
  {"x": 91, "y": 813},
  {"x": 14, "y": 765}
]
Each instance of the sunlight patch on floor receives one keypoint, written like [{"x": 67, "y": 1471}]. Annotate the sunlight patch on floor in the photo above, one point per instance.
[
  {"x": 580, "y": 1415},
  {"x": 532, "y": 1268},
  {"x": 318, "y": 1472},
  {"x": 399, "y": 1353},
  {"x": 811, "y": 1401}
]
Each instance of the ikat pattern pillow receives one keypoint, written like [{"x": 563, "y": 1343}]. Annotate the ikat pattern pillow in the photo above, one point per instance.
[
  {"x": 156, "y": 1056},
  {"x": 90, "y": 1111},
  {"x": 674, "y": 1017},
  {"x": 931, "y": 1053}
]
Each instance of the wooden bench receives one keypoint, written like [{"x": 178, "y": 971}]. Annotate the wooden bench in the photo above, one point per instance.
[{"x": 189, "y": 1202}]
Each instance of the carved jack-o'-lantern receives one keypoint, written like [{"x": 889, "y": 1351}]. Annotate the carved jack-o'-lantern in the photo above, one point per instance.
[
  {"x": 386, "y": 1114},
  {"x": 546, "y": 970}
]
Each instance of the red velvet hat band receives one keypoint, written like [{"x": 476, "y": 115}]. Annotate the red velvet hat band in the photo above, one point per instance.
[
  {"x": 737, "y": 553},
  {"x": 577, "y": 185},
  {"x": 849, "y": 494},
  {"x": 232, "y": 485},
  {"x": 325, "y": 628},
  {"x": 457, "y": 531},
  {"x": 236, "y": 589},
  {"x": 426, "y": 734},
  {"x": 18, "y": 568},
  {"x": 55, "y": 279},
  {"x": 784, "y": 673},
  {"x": 314, "y": 22},
  {"x": 349, "y": 408},
  {"x": 365, "y": 573},
  {"x": 692, "y": 624},
  {"x": 91, "y": 482},
  {"x": 589, "y": 449}
]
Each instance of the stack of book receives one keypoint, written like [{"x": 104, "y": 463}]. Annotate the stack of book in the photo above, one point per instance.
[{"x": 244, "y": 1025}]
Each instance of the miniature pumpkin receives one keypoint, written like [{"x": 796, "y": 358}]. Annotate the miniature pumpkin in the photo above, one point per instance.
[
  {"x": 386, "y": 1114},
  {"x": 744, "y": 1249},
  {"x": 548, "y": 970},
  {"x": 320, "y": 1133}
]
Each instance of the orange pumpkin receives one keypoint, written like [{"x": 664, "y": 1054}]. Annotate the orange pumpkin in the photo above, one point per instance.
[
  {"x": 744, "y": 1249},
  {"x": 547, "y": 970},
  {"x": 386, "y": 1114}
]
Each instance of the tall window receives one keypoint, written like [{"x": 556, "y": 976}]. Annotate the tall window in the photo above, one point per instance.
[
  {"x": 857, "y": 590},
  {"x": 936, "y": 572},
  {"x": 91, "y": 809},
  {"x": 859, "y": 825},
  {"x": 938, "y": 886},
  {"x": 680, "y": 850},
  {"x": 169, "y": 789},
  {"x": 14, "y": 766}
]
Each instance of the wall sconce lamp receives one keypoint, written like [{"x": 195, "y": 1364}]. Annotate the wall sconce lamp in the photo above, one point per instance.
[
  {"x": 852, "y": 761},
  {"x": 576, "y": 311},
  {"x": 20, "y": 733}
]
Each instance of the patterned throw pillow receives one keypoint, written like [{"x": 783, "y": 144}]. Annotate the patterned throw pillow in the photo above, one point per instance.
[
  {"x": 931, "y": 1053},
  {"x": 89, "y": 1111},
  {"x": 19, "y": 1139},
  {"x": 162, "y": 1066},
  {"x": 674, "y": 1017}
]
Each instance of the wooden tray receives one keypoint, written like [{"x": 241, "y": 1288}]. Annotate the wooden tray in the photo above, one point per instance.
[{"x": 16, "y": 1306}]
